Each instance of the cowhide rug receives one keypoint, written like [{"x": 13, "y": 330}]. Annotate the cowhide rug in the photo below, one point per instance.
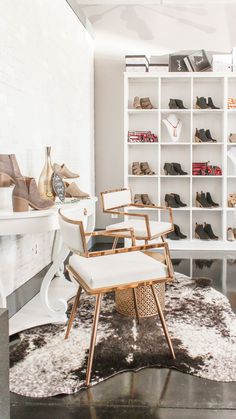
[{"x": 200, "y": 321}]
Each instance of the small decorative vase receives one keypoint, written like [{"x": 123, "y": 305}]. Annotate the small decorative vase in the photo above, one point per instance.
[{"x": 45, "y": 178}]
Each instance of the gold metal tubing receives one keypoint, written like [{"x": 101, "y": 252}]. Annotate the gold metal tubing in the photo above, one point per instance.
[
  {"x": 115, "y": 242},
  {"x": 73, "y": 312},
  {"x": 163, "y": 322},
  {"x": 93, "y": 338},
  {"x": 136, "y": 305}
]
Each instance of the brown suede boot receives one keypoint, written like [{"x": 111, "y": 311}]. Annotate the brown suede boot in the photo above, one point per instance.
[
  {"x": 9, "y": 170},
  {"x": 25, "y": 194}
]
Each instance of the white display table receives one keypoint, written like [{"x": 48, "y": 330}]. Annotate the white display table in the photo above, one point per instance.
[{"x": 39, "y": 222}]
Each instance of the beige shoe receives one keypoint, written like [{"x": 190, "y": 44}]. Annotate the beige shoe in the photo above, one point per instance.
[
  {"x": 138, "y": 199},
  {"x": 136, "y": 103},
  {"x": 64, "y": 172},
  {"x": 230, "y": 234},
  {"x": 146, "y": 169},
  {"x": 26, "y": 193},
  {"x": 9, "y": 170},
  {"x": 73, "y": 191}
]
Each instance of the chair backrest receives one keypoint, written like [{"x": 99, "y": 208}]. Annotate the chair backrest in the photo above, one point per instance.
[
  {"x": 73, "y": 223},
  {"x": 116, "y": 198}
]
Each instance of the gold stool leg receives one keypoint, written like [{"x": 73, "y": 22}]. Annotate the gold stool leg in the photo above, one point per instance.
[
  {"x": 93, "y": 338},
  {"x": 163, "y": 322},
  {"x": 136, "y": 305},
  {"x": 115, "y": 242},
  {"x": 73, "y": 312}
]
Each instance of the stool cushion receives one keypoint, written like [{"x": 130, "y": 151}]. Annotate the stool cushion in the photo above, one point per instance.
[
  {"x": 120, "y": 268},
  {"x": 140, "y": 229}
]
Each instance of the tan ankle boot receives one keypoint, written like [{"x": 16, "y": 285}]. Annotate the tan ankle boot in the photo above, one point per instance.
[
  {"x": 25, "y": 194},
  {"x": 136, "y": 103},
  {"x": 64, "y": 172},
  {"x": 73, "y": 191},
  {"x": 9, "y": 170}
]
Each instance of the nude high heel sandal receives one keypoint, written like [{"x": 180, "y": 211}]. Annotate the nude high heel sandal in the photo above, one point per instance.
[
  {"x": 26, "y": 194},
  {"x": 64, "y": 172}
]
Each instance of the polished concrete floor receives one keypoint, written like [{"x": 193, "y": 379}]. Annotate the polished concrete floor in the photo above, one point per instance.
[{"x": 151, "y": 393}]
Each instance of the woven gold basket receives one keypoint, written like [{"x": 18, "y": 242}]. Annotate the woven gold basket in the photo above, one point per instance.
[{"x": 124, "y": 300}]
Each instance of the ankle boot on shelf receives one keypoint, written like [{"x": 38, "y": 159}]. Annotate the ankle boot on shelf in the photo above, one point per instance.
[
  {"x": 146, "y": 169},
  {"x": 26, "y": 193},
  {"x": 170, "y": 201},
  {"x": 209, "y": 231},
  {"x": 178, "y": 200},
  {"x": 210, "y": 200},
  {"x": 200, "y": 136},
  {"x": 169, "y": 169},
  {"x": 173, "y": 104},
  {"x": 138, "y": 199},
  {"x": 180, "y": 104},
  {"x": 178, "y": 232},
  {"x": 201, "y": 103},
  {"x": 73, "y": 191},
  {"x": 136, "y": 169},
  {"x": 201, "y": 201},
  {"x": 200, "y": 233},
  {"x": 230, "y": 235},
  {"x": 146, "y": 103},
  {"x": 64, "y": 172},
  {"x": 146, "y": 200},
  {"x": 179, "y": 169},
  {"x": 210, "y": 104},
  {"x": 136, "y": 103},
  {"x": 9, "y": 170},
  {"x": 208, "y": 135},
  {"x": 173, "y": 236},
  {"x": 232, "y": 200}
]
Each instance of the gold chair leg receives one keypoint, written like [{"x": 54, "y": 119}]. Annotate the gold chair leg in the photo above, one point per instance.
[
  {"x": 136, "y": 305},
  {"x": 93, "y": 338},
  {"x": 163, "y": 322},
  {"x": 115, "y": 242},
  {"x": 73, "y": 312}
]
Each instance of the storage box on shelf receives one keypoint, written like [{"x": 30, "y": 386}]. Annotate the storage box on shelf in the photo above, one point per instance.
[{"x": 160, "y": 88}]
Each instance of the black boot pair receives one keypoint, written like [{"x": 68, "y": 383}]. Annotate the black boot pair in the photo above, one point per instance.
[
  {"x": 205, "y": 200},
  {"x": 176, "y": 234},
  {"x": 204, "y": 136},
  {"x": 176, "y": 104},
  {"x": 203, "y": 263},
  {"x": 173, "y": 200},
  {"x": 202, "y": 103},
  {"x": 204, "y": 232},
  {"x": 173, "y": 169}
]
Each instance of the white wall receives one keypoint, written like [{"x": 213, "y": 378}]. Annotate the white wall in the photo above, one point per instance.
[
  {"x": 156, "y": 30},
  {"x": 46, "y": 98}
]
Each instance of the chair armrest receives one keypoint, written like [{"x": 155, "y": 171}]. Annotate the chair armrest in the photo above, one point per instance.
[
  {"x": 157, "y": 207},
  {"x": 145, "y": 216},
  {"x": 112, "y": 232},
  {"x": 163, "y": 245}
]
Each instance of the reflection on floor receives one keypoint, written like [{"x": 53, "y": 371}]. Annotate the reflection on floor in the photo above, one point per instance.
[{"x": 151, "y": 393}]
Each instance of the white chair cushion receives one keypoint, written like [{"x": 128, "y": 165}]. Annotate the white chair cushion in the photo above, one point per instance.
[
  {"x": 139, "y": 226},
  {"x": 120, "y": 268}
]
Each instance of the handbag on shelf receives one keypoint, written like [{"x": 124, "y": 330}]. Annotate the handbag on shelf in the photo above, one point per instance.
[
  {"x": 142, "y": 137},
  {"x": 232, "y": 138},
  {"x": 205, "y": 169}
]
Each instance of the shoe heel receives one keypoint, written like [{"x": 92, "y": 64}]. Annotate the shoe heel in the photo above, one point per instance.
[
  {"x": 198, "y": 205},
  {"x": 5, "y": 181},
  {"x": 196, "y": 236},
  {"x": 197, "y": 107},
  {"x": 19, "y": 204},
  {"x": 166, "y": 172},
  {"x": 197, "y": 140}
]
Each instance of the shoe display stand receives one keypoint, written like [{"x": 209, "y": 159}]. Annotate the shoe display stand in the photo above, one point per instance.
[{"x": 221, "y": 122}]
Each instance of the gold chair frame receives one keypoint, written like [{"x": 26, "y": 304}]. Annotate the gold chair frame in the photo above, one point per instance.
[
  {"x": 98, "y": 292},
  {"x": 116, "y": 210}
]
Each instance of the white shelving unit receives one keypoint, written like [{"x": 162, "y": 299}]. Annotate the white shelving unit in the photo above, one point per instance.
[{"x": 221, "y": 122}]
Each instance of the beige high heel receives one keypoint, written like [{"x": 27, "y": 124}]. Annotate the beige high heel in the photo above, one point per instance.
[
  {"x": 136, "y": 169},
  {"x": 136, "y": 103},
  {"x": 9, "y": 170},
  {"x": 64, "y": 172},
  {"x": 146, "y": 169},
  {"x": 73, "y": 191},
  {"x": 26, "y": 194},
  {"x": 146, "y": 103}
]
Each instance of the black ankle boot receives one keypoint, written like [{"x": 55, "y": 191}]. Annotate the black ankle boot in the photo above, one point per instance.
[
  {"x": 210, "y": 104},
  {"x": 178, "y": 169},
  {"x": 201, "y": 200},
  {"x": 200, "y": 136},
  {"x": 173, "y": 104},
  {"x": 173, "y": 236},
  {"x": 208, "y": 135},
  {"x": 178, "y": 200},
  {"x": 170, "y": 201},
  {"x": 180, "y": 104},
  {"x": 201, "y": 103},
  {"x": 209, "y": 231},
  {"x": 210, "y": 201},
  {"x": 178, "y": 232},
  {"x": 200, "y": 233},
  {"x": 170, "y": 170}
]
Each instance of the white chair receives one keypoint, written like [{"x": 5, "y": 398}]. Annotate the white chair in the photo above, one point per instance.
[
  {"x": 144, "y": 229},
  {"x": 100, "y": 272}
]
